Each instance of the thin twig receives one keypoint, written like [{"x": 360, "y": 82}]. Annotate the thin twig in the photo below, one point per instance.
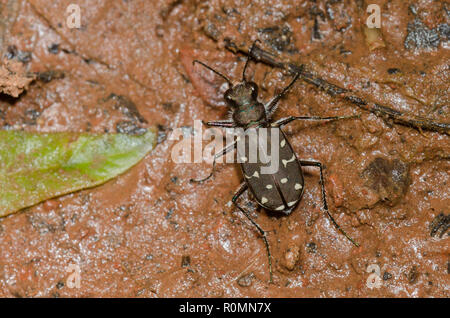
[{"x": 385, "y": 112}]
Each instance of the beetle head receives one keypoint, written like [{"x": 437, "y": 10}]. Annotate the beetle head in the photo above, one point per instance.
[{"x": 240, "y": 94}]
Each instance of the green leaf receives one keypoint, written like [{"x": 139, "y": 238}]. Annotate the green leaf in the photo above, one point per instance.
[{"x": 35, "y": 167}]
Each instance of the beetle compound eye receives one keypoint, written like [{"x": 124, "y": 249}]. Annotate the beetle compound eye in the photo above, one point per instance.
[
  {"x": 254, "y": 89},
  {"x": 229, "y": 99},
  {"x": 253, "y": 86}
]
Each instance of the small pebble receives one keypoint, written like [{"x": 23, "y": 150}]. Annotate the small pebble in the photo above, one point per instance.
[{"x": 291, "y": 257}]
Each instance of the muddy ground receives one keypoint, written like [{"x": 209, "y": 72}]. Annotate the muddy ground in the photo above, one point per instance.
[{"x": 152, "y": 233}]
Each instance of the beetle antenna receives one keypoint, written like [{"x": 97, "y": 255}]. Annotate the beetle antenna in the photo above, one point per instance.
[
  {"x": 249, "y": 56},
  {"x": 217, "y": 72}
]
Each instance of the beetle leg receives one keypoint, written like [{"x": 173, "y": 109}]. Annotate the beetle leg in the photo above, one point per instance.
[
  {"x": 287, "y": 120},
  {"x": 324, "y": 200},
  {"x": 242, "y": 188},
  {"x": 223, "y": 152},
  {"x": 272, "y": 105},
  {"x": 220, "y": 123}
]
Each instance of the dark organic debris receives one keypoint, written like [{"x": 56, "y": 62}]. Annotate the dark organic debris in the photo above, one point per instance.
[
  {"x": 31, "y": 116},
  {"x": 54, "y": 48},
  {"x": 388, "y": 178},
  {"x": 41, "y": 225},
  {"x": 212, "y": 31},
  {"x": 185, "y": 261},
  {"x": 49, "y": 76},
  {"x": 444, "y": 31},
  {"x": 421, "y": 37},
  {"x": 129, "y": 128},
  {"x": 337, "y": 14},
  {"x": 316, "y": 13},
  {"x": 127, "y": 107},
  {"x": 164, "y": 13},
  {"x": 316, "y": 30},
  {"x": 169, "y": 214},
  {"x": 13, "y": 53},
  {"x": 280, "y": 38},
  {"x": 387, "y": 276},
  {"x": 311, "y": 247},
  {"x": 393, "y": 70},
  {"x": 413, "y": 275},
  {"x": 441, "y": 223},
  {"x": 162, "y": 135}
]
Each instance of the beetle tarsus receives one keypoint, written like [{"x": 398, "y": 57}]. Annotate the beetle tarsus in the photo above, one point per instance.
[
  {"x": 324, "y": 199},
  {"x": 223, "y": 152},
  {"x": 207, "y": 178},
  {"x": 243, "y": 187}
]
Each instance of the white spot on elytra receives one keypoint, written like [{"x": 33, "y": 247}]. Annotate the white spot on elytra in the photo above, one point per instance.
[
  {"x": 256, "y": 175},
  {"x": 291, "y": 203},
  {"x": 269, "y": 186},
  {"x": 244, "y": 159},
  {"x": 280, "y": 208},
  {"x": 285, "y": 162},
  {"x": 284, "y": 180},
  {"x": 283, "y": 143},
  {"x": 298, "y": 186},
  {"x": 264, "y": 200}
]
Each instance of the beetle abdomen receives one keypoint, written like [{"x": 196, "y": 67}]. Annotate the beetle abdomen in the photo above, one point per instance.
[{"x": 273, "y": 173}]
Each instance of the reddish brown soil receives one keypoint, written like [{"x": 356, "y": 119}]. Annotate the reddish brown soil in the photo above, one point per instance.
[{"x": 152, "y": 233}]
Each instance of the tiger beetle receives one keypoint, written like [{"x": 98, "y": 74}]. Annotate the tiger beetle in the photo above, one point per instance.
[{"x": 279, "y": 192}]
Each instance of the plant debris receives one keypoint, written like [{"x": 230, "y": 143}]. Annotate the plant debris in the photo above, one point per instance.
[
  {"x": 36, "y": 167},
  {"x": 13, "y": 78}
]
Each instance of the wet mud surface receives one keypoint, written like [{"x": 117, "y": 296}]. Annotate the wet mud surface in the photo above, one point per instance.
[{"x": 151, "y": 232}]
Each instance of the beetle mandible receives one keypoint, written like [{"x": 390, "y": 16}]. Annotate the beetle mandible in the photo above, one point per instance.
[{"x": 281, "y": 191}]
